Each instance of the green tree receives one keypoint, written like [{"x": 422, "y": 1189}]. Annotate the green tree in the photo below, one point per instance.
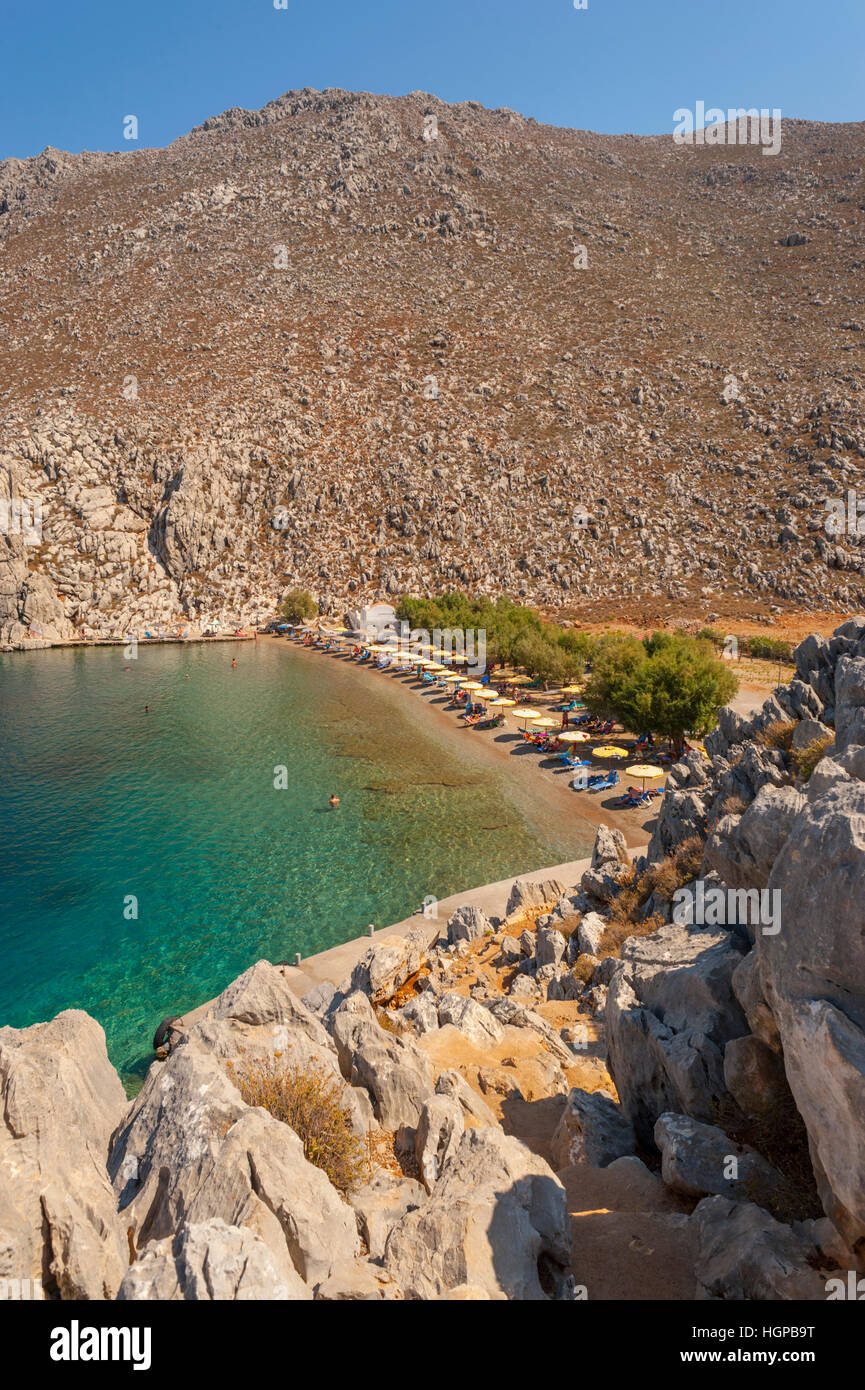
[
  {"x": 298, "y": 606},
  {"x": 667, "y": 684}
]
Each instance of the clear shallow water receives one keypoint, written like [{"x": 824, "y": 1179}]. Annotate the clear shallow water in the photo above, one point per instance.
[{"x": 178, "y": 808}]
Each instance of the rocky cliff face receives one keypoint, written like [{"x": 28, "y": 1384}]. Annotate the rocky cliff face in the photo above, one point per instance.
[
  {"x": 343, "y": 342},
  {"x": 762, "y": 1002}
]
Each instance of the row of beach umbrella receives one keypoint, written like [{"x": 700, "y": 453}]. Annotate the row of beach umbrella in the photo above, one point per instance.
[{"x": 495, "y": 701}]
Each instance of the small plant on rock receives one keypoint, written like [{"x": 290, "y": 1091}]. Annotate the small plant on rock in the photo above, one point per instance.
[
  {"x": 804, "y": 760},
  {"x": 311, "y": 1103}
]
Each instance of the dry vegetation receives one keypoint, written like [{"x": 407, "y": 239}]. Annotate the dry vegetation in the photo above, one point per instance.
[
  {"x": 311, "y": 1104},
  {"x": 780, "y": 1136},
  {"x": 624, "y": 917},
  {"x": 804, "y": 760},
  {"x": 778, "y": 735}
]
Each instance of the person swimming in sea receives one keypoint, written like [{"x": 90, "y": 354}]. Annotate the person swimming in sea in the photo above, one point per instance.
[
  {"x": 234, "y": 662},
  {"x": 333, "y": 801},
  {"x": 146, "y": 709}
]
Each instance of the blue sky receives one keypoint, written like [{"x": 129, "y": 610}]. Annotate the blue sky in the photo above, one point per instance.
[{"x": 74, "y": 68}]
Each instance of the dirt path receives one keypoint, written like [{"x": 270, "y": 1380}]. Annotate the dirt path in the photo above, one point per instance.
[{"x": 631, "y": 1239}]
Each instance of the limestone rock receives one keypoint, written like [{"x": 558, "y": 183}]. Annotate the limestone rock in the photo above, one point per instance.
[
  {"x": 60, "y": 1099},
  {"x": 526, "y": 896},
  {"x": 450, "y": 1083},
  {"x": 745, "y": 1254},
  {"x": 698, "y": 1159},
  {"x": 592, "y": 1129},
  {"x": 468, "y": 924},
  {"x": 590, "y": 932},
  {"x": 470, "y": 1018},
  {"x": 388, "y": 964},
  {"x": 212, "y": 1261},
  {"x": 497, "y": 1219},
  {"x": 670, "y": 1011},
  {"x": 813, "y": 975},
  {"x": 754, "y": 1075},
  {"x": 189, "y": 1150},
  {"x": 394, "y": 1071},
  {"x": 743, "y": 851},
  {"x": 439, "y": 1130},
  {"x": 380, "y": 1204},
  {"x": 354, "y": 1281}
]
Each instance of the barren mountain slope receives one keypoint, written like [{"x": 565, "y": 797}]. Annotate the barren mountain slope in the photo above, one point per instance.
[{"x": 310, "y": 344}]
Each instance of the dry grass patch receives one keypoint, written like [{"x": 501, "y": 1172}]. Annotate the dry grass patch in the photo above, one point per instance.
[
  {"x": 624, "y": 915},
  {"x": 311, "y": 1103},
  {"x": 781, "y": 1137},
  {"x": 804, "y": 760},
  {"x": 778, "y": 735}
]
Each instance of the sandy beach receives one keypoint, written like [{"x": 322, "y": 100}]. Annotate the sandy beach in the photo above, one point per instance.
[{"x": 539, "y": 787}]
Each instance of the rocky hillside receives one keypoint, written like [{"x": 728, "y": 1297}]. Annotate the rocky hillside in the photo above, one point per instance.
[
  {"x": 609, "y": 1051},
  {"x": 349, "y": 341}
]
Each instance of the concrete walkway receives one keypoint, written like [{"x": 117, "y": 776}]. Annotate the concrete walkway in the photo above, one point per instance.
[{"x": 336, "y": 964}]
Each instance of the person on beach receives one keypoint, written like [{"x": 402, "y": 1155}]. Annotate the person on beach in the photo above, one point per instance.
[
  {"x": 234, "y": 663},
  {"x": 333, "y": 801}
]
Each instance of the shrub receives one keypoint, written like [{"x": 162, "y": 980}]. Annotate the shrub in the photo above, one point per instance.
[
  {"x": 767, "y": 648},
  {"x": 623, "y": 918},
  {"x": 778, "y": 735},
  {"x": 311, "y": 1103},
  {"x": 584, "y": 970},
  {"x": 298, "y": 605},
  {"x": 804, "y": 760}
]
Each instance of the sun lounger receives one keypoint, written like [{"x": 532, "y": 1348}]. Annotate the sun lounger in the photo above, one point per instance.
[{"x": 606, "y": 783}]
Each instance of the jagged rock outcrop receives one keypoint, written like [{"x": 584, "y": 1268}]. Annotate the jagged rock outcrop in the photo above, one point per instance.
[
  {"x": 744, "y": 1253},
  {"x": 496, "y": 1219},
  {"x": 212, "y": 1261},
  {"x": 60, "y": 1099},
  {"x": 592, "y": 1129},
  {"x": 670, "y": 1012}
]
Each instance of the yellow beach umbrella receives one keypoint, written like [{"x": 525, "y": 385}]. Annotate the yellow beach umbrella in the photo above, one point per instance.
[
  {"x": 610, "y": 751},
  {"x": 516, "y": 680},
  {"x": 501, "y": 702},
  {"x": 571, "y": 689},
  {"x": 571, "y": 736},
  {"x": 545, "y": 723},
  {"x": 472, "y": 685},
  {"x": 487, "y": 694},
  {"x": 645, "y": 772},
  {"x": 525, "y": 713}
]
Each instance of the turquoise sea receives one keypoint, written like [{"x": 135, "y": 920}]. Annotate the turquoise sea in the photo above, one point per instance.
[{"x": 173, "y": 814}]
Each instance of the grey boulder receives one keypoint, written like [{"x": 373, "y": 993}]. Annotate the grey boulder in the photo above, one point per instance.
[
  {"x": 592, "y": 1129},
  {"x": 212, "y": 1261},
  {"x": 60, "y": 1099},
  {"x": 699, "y": 1159},
  {"x": 497, "y": 1220}
]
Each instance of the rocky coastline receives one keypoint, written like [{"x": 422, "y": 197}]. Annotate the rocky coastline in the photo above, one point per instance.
[{"x": 703, "y": 1066}]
